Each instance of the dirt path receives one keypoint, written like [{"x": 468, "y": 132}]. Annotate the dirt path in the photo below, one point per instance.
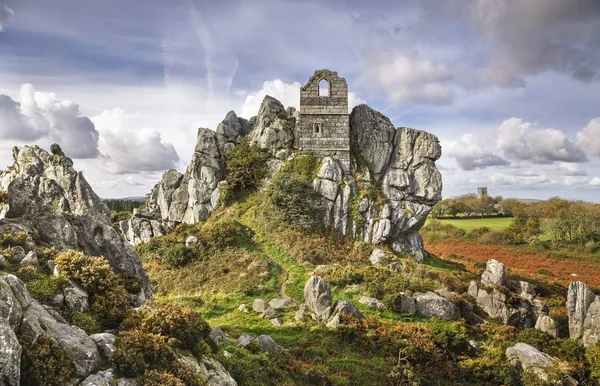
[{"x": 563, "y": 271}]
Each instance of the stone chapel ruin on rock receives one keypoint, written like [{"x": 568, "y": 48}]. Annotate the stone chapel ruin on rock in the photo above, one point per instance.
[{"x": 324, "y": 124}]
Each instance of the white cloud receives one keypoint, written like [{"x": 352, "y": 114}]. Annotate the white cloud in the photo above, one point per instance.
[
  {"x": 575, "y": 180},
  {"x": 14, "y": 124},
  {"x": 411, "y": 80},
  {"x": 595, "y": 181},
  {"x": 510, "y": 179},
  {"x": 569, "y": 169},
  {"x": 127, "y": 151},
  {"x": 45, "y": 117},
  {"x": 287, "y": 93},
  {"x": 5, "y": 15},
  {"x": 470, "y": 154},
  {"x": 517, "y": 139},
  {"x": 589, "y": 137}
]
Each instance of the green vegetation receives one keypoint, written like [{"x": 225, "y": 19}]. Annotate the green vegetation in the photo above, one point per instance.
[
  {"x": 123, "y": 205},
  {"x": 44, "y": 362},
  {"x": 246, "y": 165},
  {"x": 108, "y": 297},
  {"x": 497, "y": 224}
]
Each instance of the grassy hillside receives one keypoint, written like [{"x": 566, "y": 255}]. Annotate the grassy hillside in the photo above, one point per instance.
[{"x": 468, "y": 224}]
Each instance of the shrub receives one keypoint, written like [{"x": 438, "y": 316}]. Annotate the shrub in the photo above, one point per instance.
[
  {"x": 185, "y": 328},
  {"x": 86, "y": 322},
  {"x": 344, "y": 276},
  {"x": 305, "y": 166},
  {"x": 175, "y": 255},
  {"x": 219, "y": 234},
  {"x": 45, "y": 363},
  {"x": 593, "y": 357},
  {"x": 246, "y": 165},
  {"x": 45, "y": 288},
  {"x": 294, "y": 200},
  {"x": 498, "y": 238},
  {"x": 28, "y": 273},
  {"x": 108, "y": 297},
  {"x": 476, "y": 233},
  {"x": 252, "y": 369},
  {"x": 3, "y": 197},
  {"x": 13, "y": 239},
  {"x": 137, "y": 352},
  {"x": 158, "y": 378}
]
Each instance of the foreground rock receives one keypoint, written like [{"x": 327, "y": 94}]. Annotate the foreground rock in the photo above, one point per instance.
[
  {"x": 432, "y": 305},
  {"x": 49, "y": 198},
  {"x": 317, "y": 298},
  {"x": 583, "y": 307},
  {"x": 10, "y": 355},
  {"x": 343, "y": 310},
  {"x": 530, "y": 359}
]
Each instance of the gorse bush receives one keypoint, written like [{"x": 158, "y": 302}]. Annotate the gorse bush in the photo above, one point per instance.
[
  {"x": 246, "y": 165},
  {"x": 294, "y": 200},
  {"x": 44, "y": 362},
  {"x": 44, "y": 288},
  {"x": 182, "y": 327},
  {"x": 85, "y": 321},
  {"x": 137, "y": 352},
  {"x": 158, "y": 378},
  {"x": 108, "y": 297}
]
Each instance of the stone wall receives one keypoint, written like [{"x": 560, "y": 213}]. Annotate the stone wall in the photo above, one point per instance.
[{"x": 324, "y": 125}]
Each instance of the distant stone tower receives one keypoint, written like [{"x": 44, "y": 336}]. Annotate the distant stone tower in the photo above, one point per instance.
[
  {"x": 482, "y": 192},
  {"x": 324, "y": 125}
]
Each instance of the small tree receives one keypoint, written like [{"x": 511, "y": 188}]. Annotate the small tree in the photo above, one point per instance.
[
  {"x": 246, "y": 165},
  {"x": 295, "y": 200}
]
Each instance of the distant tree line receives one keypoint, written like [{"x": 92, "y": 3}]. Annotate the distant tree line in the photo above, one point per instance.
[
  {"x": 121, "y": 205},
  {"x": 471, "y": 206}
]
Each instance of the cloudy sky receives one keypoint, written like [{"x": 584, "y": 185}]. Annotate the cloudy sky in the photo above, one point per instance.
[{"x": 511, "y": 87}]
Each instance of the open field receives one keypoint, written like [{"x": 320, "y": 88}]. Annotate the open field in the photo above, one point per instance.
[
  {"x": 545, "y": 265},
  {"x": 494, "y": 223}
]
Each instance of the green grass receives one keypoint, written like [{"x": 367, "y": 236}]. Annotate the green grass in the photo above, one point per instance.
[{"x": 495, "y": 224}]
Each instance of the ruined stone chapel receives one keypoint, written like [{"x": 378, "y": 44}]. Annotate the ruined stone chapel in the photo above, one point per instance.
[{"x": 324, "y": 124}]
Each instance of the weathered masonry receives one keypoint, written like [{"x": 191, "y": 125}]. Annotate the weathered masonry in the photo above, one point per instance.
[{"x": 324, "y": 126}]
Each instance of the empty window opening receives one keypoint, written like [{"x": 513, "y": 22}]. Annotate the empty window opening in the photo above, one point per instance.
[
  {"x": 317, "y": 127},
  {"x": 323, "y": 87}
]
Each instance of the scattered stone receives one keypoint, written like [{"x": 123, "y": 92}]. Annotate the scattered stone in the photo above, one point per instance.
[
  {"x": 209, "y": 369},
  {"x": 494, "y": 274},
  {"x": 548, "y": 325},
  {"x": 407, "y": 304},
  {"x": 243, "y": 308},
  {"x": 191, "y": 241},
  {"x": 266, "y": 343},
  {"x": 30, "y": 259},
  {"x": 244, "y": 340},
  {"x": 105, "y": 343},
  {"x": 277, "y": 322},
  {"x": 216, "y": 334},
  {"x": 378, "y": 257},
  {"x": 317, "y": 298},
  {"x": 269, "y": 313},
  {"x": 17, "y": 254},
  {"x": 432, "y": 305},
  {"x": 259, "y": 305},
  {"x": 371, "y": 302},
  {"x": 76, "y": 299},
  {"x": 301, "y": 313},
  {"x": 278, "y": 304},
  {"x": 101, "y": 378},
  {"x": 58, "y": 301},
  {"x": 343, "y": 310}
]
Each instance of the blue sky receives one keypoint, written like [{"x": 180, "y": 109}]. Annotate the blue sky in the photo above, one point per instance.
[{"x": 511, "y": 88}]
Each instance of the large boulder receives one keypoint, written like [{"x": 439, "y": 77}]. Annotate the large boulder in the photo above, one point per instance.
[
  {"x": 75, "y": 298},
  {"x": 10, "y": 355},
  {"x": 432, "y": 305},
  {"x": 532, "y": 360},
  {"x": 579, "y": 299},
  {"x": 546, "y": 324},
  {"x": 105, "y": 343},
  {"x": 494, "y": 274},
  {"x": 274, "y": 126},
  {"x": 49, "y": 198},
  {"x": 209, "y": 369},
  {"x": 317, "y": 298},
  {"x": 591, "y": 324},
  {"x": 101, "y": 378},
  {"x": 343, "y": 310}
]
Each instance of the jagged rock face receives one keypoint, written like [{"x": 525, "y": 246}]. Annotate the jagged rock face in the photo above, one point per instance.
[
  {"x": 494, "y": 274},
  {"x": 49, "y": 198},
  {"x": 274, "y": 126},
  {"x": 579, "y": 299},
  {"x": 399, "y": 161},
  {"x": 144, "y": 225}
]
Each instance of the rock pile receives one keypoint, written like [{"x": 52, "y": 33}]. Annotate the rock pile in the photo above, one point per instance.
[{"x": 512, "y": 302}]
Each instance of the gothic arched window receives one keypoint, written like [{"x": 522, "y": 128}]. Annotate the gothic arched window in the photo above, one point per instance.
[{"x": 323, "y": 87}]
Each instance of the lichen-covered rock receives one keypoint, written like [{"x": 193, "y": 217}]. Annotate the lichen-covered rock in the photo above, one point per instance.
[
  {"x": 371, "y": 302},
  {"x": 546, "y": 324},
  {"x": 10, "y": 355},
  {"x": 46, "y": 195},
  {"x": 278, "y": 304},
  {"x": 407, "y": 304},
  {"x": 144, "y": 225},
  {"x": 266, "y": 343},
  {"x": 75, "y": 298},
  {"x": 216, "y": 334},
  {"x": 494, "y": 274},
  {"x": 343, "y": 310},
  {"x": 432, "y": 305},
  {"x": 579, "y": 299},
  {"x": 30, "y": 259},
  {"x": 101, "y": 378},
  {"x": 259, "y": 305},
  {"x": 105, "y": 343},
  {"x": 529, "y": 358},
  {"x": 317, "y": 298},
  {"x": 591, "y": 324},
  {"x": 209, "y": 369}
]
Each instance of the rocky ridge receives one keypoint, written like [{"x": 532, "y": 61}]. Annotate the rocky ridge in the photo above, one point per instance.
[{"x": 396, "y": 165}]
